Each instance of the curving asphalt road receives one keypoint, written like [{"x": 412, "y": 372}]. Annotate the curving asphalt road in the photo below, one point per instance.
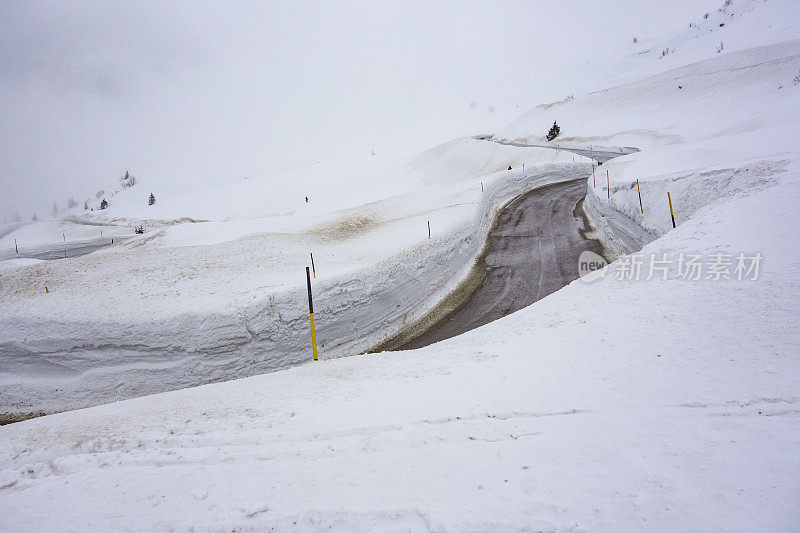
[{"x": 532, "y": 251}]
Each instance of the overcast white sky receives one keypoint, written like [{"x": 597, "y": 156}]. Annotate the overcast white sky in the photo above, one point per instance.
[{"x": 204, "y": 90}]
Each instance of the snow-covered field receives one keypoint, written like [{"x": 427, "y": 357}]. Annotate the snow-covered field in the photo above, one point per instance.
[{"x": 653, "y": 398}]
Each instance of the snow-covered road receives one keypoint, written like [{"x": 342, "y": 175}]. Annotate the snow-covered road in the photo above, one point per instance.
[
  {"x": 72, "y": 249},
  {"x": 532, "y": 251}
]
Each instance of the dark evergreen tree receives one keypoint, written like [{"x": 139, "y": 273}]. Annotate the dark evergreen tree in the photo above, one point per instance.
[
  {"x": 151, "y": 200},
  {"x": 103, "y": 204},
  {"x": 554, "y": 131}
]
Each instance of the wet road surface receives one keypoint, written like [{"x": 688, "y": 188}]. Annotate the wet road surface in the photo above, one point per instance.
[{"x": 533, "y": 251}]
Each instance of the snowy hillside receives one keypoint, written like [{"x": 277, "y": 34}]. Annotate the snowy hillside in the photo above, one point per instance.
[
  {"x": 193, "y": 303},
  {"x": 661, "y": 395}
]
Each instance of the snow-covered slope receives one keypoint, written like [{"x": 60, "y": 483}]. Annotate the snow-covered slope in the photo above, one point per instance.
[
  {"x": 707, "y": 131},
  {"x": 195, "y": 303},
  {"x": 649, "y": 399},
  {"x": 616, "y": 405}
]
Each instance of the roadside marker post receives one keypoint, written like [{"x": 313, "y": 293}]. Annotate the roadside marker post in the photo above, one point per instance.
[
  {"x": 429, "y": 229},
  {"x": 594, "y": 180},
  {"x": 671, "y": 212},
  {"x": 311, "y": 314},
  {"x": 65, "y": 254},
  {"x": 481, "y": 186},
  {"x": 15, "y": 246},
  {"x": 640, "y": 195},
  {"x": 313, "y": 268},
  {"x": 608, "y": 185}
]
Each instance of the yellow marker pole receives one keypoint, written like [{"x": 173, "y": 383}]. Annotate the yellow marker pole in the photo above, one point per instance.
[
  {"x": 65, "y": 254},
  {"x": 594, "y": 179},
  {"x": 640, "y": 195},
  {"x": 429, "y": 229},
  {"x": 311, "y": 314},
  {"x": 671, "y": 213},
  {"x": 45, "y": 289}
]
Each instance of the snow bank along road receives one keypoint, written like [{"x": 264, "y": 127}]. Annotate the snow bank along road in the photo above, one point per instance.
[
  {"x": 146, "y": 316},
  {"x": 532, "y": 251},
  {"x": 72, "y": 249},
  {"x": 597, "y": 153}
]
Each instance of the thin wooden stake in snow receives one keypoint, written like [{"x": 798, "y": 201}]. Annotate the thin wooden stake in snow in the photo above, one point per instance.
[
  {"x": 15, "y": 246},
  {"x": 313, "y": 268},
  {"x": 594, "y": 180},
  {"x": 671, "y": 212},
  {"x": 311, "y": 314},
  {"x": 429, "y": 229},
  {"x": 608, "y": 185},
  {"x": 640, "y": 195}
]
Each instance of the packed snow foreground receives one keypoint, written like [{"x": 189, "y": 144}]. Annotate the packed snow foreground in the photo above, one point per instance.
[{"x": 664, "y": 395}]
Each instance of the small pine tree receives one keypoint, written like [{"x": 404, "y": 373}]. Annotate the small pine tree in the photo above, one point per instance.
[
  {"x": 34, "y": 218},
  {"x": 54, "y": 211},
  {"x": 85, "y": 206},
  {"x": 103, "y": 204},
  {"x": 151, "y": 200},
  {"x": 554, "y": 131},
  {"x": 128, "y": 180}
]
